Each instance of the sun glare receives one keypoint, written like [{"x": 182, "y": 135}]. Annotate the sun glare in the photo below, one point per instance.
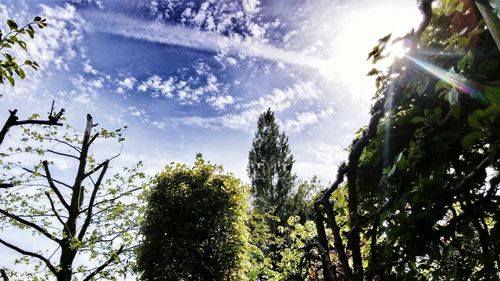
[
  {"x": 397, "y": 50},
  {"x": 360, "y": 32}
]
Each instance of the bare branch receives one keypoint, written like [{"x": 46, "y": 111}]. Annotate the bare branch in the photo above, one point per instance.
[
  {"x": 386, "y": 206},
  {"x": 54, "y": 180},
  {"x": 478, "y": 169},
  {"x": 337, "y": 239},
  {"x": 96, "y": 168},
  {"x": 62, "y": 154},
  {"x": 92, "y": 200},
  {"x": 373, "y": 244},
  {"x": 53, "y": 186},
  {"x": 342, "y": 170},
  {"x": 4, "y": 275},
  {"x": 105, "y": 264},
  {"x": 68, "y": 144},
  {"x": 328, "y": 267},
  {"x": 92, "y": 139},
  {"x": 30, "y": 224},
  {"x": 13, "y": 120},
  {"x": 31, "y": 254},
  {"x": 53, "y": 207}
]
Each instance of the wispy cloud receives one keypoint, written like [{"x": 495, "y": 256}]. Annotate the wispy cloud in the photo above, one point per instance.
[
  {"x": 304, "y": 119},
  {"x": 51, "y": 48},
  {"x": 243, "y": 116},
  {"x": 183, "y": 36}
]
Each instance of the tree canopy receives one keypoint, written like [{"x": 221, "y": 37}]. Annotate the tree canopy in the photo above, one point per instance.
[
  {"x": 270, "y": 164},
  {"x": 418, "y": 196},
  {"x": 416, "y": 199},
  {"x": 12, "y": 39},
  {"x": 195, "y": 225}
]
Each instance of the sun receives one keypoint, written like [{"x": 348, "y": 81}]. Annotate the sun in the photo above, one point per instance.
[
  {"x": 397, "y": 50},
  {"x": 358, "y": 32}
]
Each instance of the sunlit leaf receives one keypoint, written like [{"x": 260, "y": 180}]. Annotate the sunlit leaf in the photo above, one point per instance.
[{"x": 12, "y": 24}]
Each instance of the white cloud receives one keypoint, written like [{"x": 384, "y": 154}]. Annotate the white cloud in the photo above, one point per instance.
[
  {"x": 96, "y": 83},
  {"x": 203, "y": 40},
  {"x": 126, "y": 84},
  {"x": 324, "y": 153},
  {"x": 281, "y": 99},
  {"x": 52, "y": 46},
  {"x": 88, "y": 68},
  {"x": 247, "y": 113},
  {"x": 188, "y": 90},
  {"x": 158, "y": 86},
  {"x": 220, "y": 102},
  {"x": 251, "y": 5},
  {"x": 86, "y": 91},
  {"x": 136, "y": 112},
  {"x": 97, "y": 3},
  {"x": 304, "y": 119}
]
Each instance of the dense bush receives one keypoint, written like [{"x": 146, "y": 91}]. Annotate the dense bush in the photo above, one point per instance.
[{"x": 195, "y": 225}]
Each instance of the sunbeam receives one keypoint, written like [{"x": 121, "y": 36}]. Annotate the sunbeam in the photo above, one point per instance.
[{"x": 461, "y": 83}]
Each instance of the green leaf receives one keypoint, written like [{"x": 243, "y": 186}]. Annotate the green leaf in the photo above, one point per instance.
[
  {"x": 11, "y": 80},
  {"x": 372, "y": 72},
  {"x": 462, "y": 63},
  {"x": 422, "y": 86},
  {"x": 22, "y": 44},
  {"x": 466, "y": 61},
  {"x": 21, "y": 73},
  {"x": 8, "y": 57},
  {"x": 453, "y": 99},
  {"x": 12, "y": 24},
  {"x": 418, "y": 119},
  {"x": 441, "y": 85},
  {"x": 472, "y": 138},
  {"x": 493, "y": 94},
  {"x": 37, "y": 18},
  {"x": 463, "y": 42},
  {"x": 473, "y": 120}
]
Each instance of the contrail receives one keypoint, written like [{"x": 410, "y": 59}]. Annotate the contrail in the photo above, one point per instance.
[{"x": 177, "y": 35}]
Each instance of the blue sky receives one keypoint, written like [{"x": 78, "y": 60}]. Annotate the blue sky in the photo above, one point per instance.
[{"x": 193, "y": 76}]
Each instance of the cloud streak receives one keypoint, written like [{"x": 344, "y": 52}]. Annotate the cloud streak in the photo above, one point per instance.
[{"x": 178, "y": 35}]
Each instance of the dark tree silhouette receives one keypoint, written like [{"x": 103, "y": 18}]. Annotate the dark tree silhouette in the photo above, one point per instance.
[{"x": 270, "y": 166}]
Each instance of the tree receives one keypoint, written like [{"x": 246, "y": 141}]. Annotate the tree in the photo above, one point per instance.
[
  {"x": 195, "y": 225},
  {"x": 270, "y": 164},
  {"x": 302, "y": 199},
  {"x": 90, "y": 222},
  {"x": 418, "y": 196},
  {"x": 291, "y": 254},
  {"x": 13, "y": 121},
  {"x": 13, "y": 38}
]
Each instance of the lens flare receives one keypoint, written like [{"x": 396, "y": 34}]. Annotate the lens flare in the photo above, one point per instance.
[
  {"x": 461, "y": 83},
  {"x": 398, "y": 50}
]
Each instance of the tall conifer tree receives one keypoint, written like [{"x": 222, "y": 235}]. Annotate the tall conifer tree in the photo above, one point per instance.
[{"x": 270, "y": 167}]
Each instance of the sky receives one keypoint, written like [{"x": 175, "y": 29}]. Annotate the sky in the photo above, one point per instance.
[{"x": 193, "y": 76}]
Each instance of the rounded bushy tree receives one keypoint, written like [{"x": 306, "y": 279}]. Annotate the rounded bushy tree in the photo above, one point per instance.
[{"x": 195, "y": 225}]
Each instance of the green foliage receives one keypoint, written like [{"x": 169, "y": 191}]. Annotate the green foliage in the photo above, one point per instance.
[
  {"x": 301, "y": 199},
  {"x": 12, "y": 39},
  {"x": 289, "y": 255},
  {"x": 195, "y": 225},
  {"x": 425, "y": 190},
  {"x": 114, "y": 214},
  {"x": 270, "y": 164}
]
